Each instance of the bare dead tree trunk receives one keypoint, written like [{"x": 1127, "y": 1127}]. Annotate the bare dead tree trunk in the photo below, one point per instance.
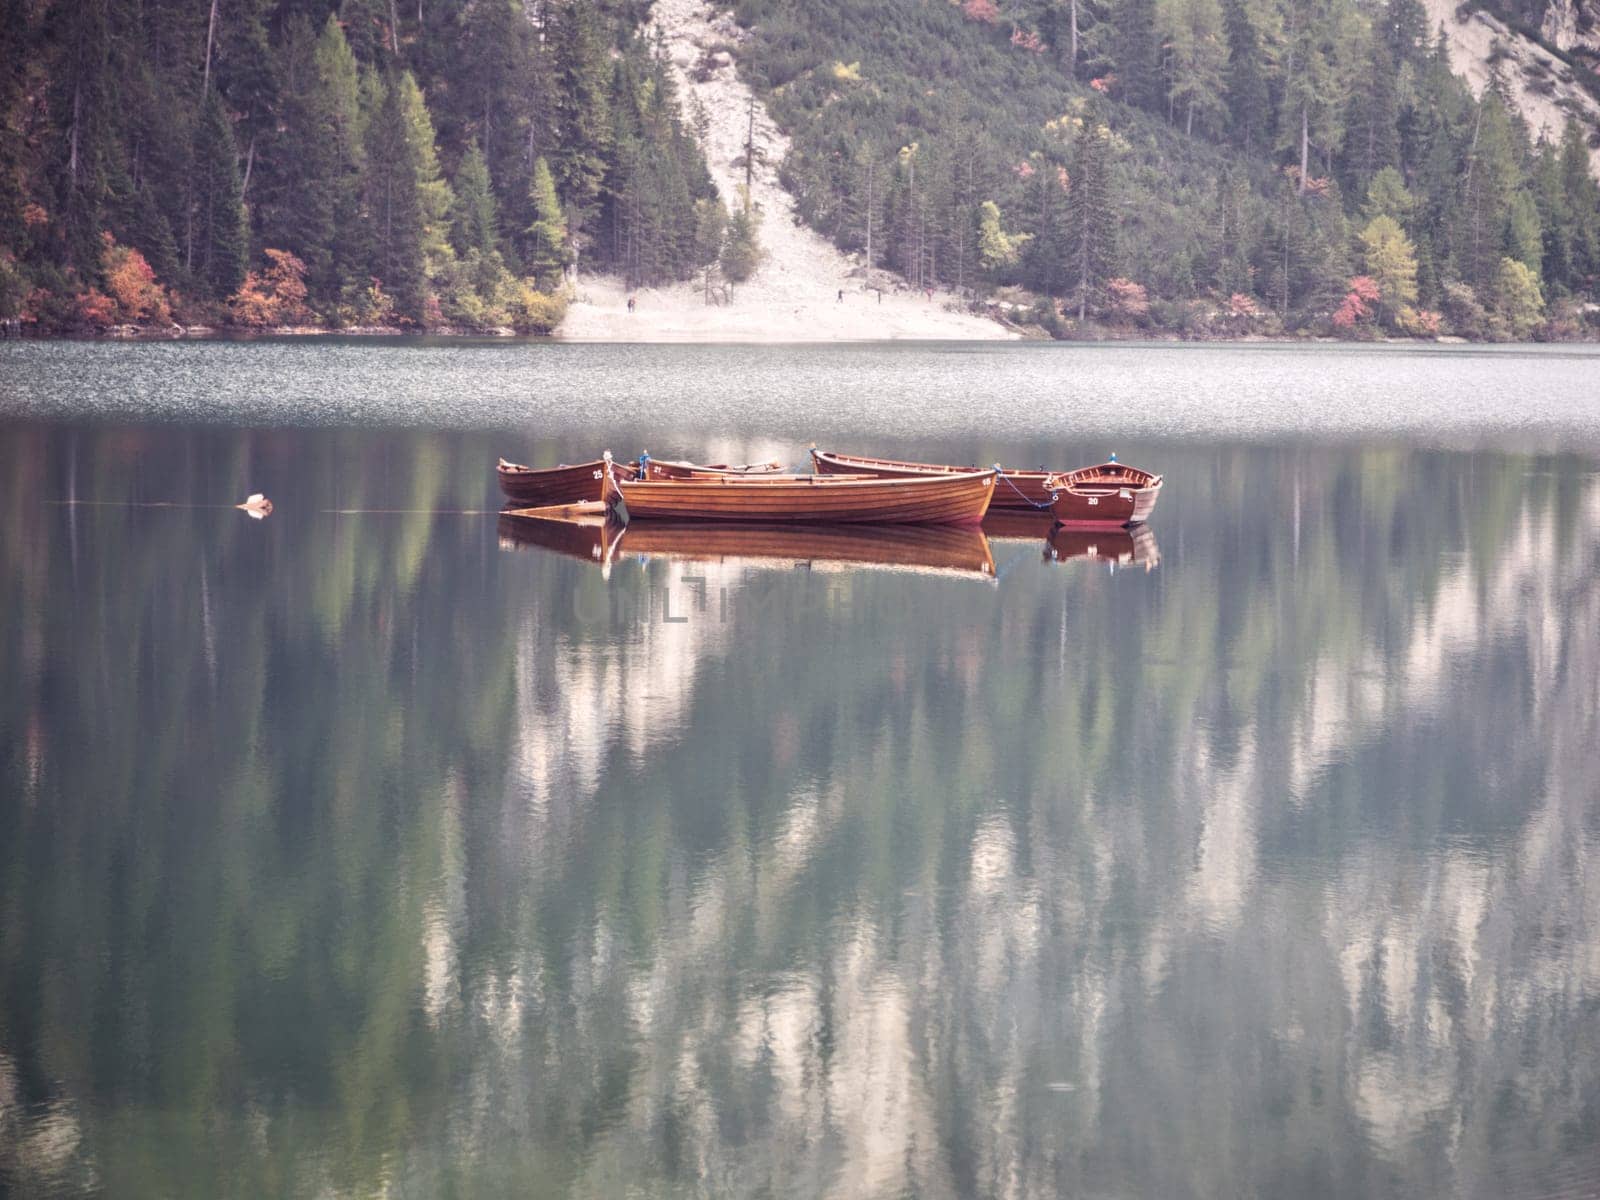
[
  {"x": 394, "y": 28},
  {"x": 72, "y": 155},
  {"x": 249, "y": 165},
  {"x": 211, "y": 35},
  {"x": 750, "y": 152},
  {"x": 1188, "y": 124},
  {"x": 1072, "y": 13},
  {"x": 1305, "y": 146},
  {"x": 872, "y": 170}
]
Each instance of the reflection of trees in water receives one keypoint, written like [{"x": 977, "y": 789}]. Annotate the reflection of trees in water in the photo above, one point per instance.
[{"x": 1262, "y": 872}]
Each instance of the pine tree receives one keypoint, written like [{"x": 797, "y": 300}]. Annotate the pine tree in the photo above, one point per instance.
[
  {"x": 302, "y": 179},
  {"x": 547, "y": 236},
  {"x": 1391, "y": 260},
  {"x": 477, "y": 221},
  {"x": 433, "y": 190},
  {"x": 1136, "y": 51},
  {"x": 1091, "y": 224},
  {"x": 1197, "y": 57},
  {"x": 1374, "y": 141},
  {"x": 86, "y": 158},
  {"x": 338, "y": 107},
  {"x": 1487, "y": 193},
  {"x": 1249, "y": 102},
  {"x": 1582, "y": 196},
  {"x": 392, "y": 205},
  {"x": 741, "y": 251},
  {"x": 219, "y": 249},
  {"x": 583, "y": 123}
]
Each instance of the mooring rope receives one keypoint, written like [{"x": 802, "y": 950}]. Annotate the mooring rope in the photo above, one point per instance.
[{"x": 1023, "y": 495}]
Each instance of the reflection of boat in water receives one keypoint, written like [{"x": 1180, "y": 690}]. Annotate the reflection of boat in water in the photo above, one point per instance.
[
  {"x": 1014, "y": 489},
  {"x": 582, "y": 532},
  {"x": 1018, "y": 525},
  {"x": 576, "y": 530},
  {"x": 936, "y": 549},
  {"x": 811, "y": 499},
  {"x": 1108, "y": 493},
  {"x": 1123, "y": 547},
  {"x": 569, "y": 484}
]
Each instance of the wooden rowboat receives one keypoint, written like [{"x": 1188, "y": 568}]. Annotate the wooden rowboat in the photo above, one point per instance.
[
  {"x": 1015, "y": 489},
  {"x": 658, "y": 469},
  {"x": 1106, "y": 494},
  {"x": 531, "y": 487},
  {"x": 946, "y": 500}
]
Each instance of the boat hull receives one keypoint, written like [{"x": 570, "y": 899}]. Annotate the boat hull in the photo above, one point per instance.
[
  {"x": 539, "y": 488},
  {"x": 816, "y": 499},
  {"x": 1014, "y": 491},
  {"x": 1107, "y": 495},
  {"x": 1079, "y": 509}
]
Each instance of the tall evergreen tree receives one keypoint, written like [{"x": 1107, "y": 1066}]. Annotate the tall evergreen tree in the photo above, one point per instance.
[
  {"x": 1197, "y": 57},
  {"x": 476, "y": 221},
  {"x": 547, "y": 236},
  {"x": 1374, "y": 140},
  {"x": 433, "y": 191},
  {"x": 1249, "y": 102},
  {"x": 218, "y": 250},
  {"x": 1091, "y": 223},
  {"x": 392, "y": 205},
  {"x": 583, "y": 123},
  {"x": 1135, "y": 50}
]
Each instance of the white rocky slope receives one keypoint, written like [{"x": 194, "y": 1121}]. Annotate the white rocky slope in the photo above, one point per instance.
[
  {"x": 794, "y": 295},
  {"x": 1542, "y": 86}
]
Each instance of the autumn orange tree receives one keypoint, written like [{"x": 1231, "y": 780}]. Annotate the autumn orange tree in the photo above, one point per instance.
[
  {"x": 275, "y": 295},
  {"x": 131, "y": 283}
]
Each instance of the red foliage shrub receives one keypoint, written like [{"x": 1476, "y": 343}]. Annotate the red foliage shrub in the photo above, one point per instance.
[
  {"x": 1356, "y": 305},
  {"x": 1127, "y": 300},
  {"x": 132, "y": 283},
  {"x": 1027, "y": 39},
  {"x": 275, "y": 296},
  {"x": 1242, "y": 306},
  {"x": 95, "y": 308},
  {"x": 981, "y": 10}
]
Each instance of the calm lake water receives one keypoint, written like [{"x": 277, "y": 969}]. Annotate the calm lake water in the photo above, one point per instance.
[{"x": 375, "y": 849}]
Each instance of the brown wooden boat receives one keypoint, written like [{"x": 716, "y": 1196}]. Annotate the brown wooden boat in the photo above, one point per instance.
[
  {"x": 930, "y": 549},
  {"x": 656, "y": 468},
  {"x": 1135, "y": 546},
  {"x": 539, "y": 487},
  {"x": 1108, "y": 493},
  {"x": 1014, "y": 489},
  {"x": 946, "y": 500}
]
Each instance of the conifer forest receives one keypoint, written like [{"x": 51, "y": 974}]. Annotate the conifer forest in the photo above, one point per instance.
[{"x": 1206, "y": 168}]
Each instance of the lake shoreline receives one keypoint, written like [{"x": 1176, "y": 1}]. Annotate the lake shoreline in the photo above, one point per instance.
[{"x": 1099, "y": 335}]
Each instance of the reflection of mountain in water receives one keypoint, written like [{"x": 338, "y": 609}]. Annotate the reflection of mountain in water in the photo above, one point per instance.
[{"x": 1268, "y": 872}]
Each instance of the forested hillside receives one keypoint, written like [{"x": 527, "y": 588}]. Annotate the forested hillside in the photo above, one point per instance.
[
  {"x": 1207, "y": 166},
  {"x": 354, "y": 163}
]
